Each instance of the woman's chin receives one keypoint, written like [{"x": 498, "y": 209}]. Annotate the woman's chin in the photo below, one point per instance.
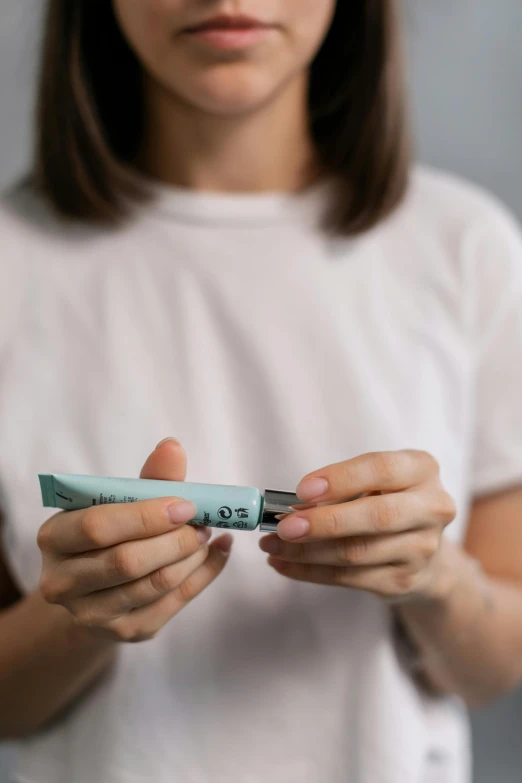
[{"x": 227, "y": 95}]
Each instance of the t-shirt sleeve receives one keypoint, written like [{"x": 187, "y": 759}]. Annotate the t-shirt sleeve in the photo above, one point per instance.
[{"x": 496, "y": 261}]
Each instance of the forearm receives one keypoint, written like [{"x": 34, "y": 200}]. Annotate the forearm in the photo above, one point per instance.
[
  {"x": 469, "y": 632},
  {"x": 46, "y": 662}
]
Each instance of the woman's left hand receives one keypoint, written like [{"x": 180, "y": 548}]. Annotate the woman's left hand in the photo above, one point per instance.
[{"x": 386, "y": 542}]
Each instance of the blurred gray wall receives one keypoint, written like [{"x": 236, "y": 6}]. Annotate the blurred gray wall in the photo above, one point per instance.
[{"x": 466, "y": 83}]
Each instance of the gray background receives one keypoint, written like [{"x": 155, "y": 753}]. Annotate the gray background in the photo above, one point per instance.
[{"x": 466, "y": 83}]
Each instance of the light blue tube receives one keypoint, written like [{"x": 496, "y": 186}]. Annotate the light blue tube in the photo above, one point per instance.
[{"x": 239, "y": 508}]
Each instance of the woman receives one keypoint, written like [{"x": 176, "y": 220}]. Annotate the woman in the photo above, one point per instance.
[{"x": 222, "y": 239}]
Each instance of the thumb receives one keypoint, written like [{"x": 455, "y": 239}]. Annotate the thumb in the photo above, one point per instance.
[{"x": 168, "y": 462}]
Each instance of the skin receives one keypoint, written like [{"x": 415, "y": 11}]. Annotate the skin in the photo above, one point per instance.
[
  {"x": 465, "y": 621},
  {"x": 217, "y": 122},
  {"x": 386, "y": 542},
  {"x": 127, "y": 574},
  {"x": 96, "y": 593},
  {"x": 224, "y": 84},
  {"x": 207, "y": 112}
]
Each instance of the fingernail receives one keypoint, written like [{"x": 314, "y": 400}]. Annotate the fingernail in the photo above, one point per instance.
[
  {"x": 182, "y": 511},
  {"x": 225, "y": 544},
  {"x": 311, "y": 488},
  {"x": 168, "y": 440},
  {"x": 271, "y": 545},
  {"x": 293, "y": 527},
  {"x": 203, "y": 534}
]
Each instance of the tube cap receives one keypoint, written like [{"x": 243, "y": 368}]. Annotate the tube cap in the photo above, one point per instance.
[{"x": 276, "y": 503}]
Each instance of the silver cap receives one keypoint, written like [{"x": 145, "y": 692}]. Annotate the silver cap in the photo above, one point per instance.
[{"x": 277, "y": 503}]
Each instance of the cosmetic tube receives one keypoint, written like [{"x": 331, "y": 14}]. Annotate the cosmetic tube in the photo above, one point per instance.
[{"x": 237, "y": 508}]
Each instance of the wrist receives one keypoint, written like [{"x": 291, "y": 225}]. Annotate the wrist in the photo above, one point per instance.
[
  {"x": 451, "y": 564},
  {"x": 457, "y": 580},
  {"x": 92, "y": 638},
  {"x": 79, "y": 637},
  {"x": 451, "y": 569}
]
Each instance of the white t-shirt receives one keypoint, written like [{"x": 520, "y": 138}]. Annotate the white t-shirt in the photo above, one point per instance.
[{"x": 269, "y": 349}]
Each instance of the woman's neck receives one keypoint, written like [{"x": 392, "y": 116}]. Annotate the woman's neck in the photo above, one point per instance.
[{"x": 267, "y": 150}]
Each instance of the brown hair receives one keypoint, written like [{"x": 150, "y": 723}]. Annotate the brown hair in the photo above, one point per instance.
[{"x": 90, "y": 108}]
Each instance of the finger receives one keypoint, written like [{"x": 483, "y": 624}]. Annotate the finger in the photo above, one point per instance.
[
  {"x": 99, "y": 527},
  {"x": 127, "y": 562},
  {"x": 105, "y": 605},
  {"x": 417, "y": 546},
  {"x": 83, "y": 530},
  {"x": 369, "y": 516},
  {"x": 145, "y": 622},
  {"x": 385, "y": 471},
  {"x": 385, "y": 581},
  {"x": 168, "y": 462}
]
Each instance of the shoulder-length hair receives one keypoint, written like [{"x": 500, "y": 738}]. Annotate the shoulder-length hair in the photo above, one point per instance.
[{"x": 90, "y": 109}]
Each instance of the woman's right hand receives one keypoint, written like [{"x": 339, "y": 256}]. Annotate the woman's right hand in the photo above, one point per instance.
[{"x": 124, "y": 570}]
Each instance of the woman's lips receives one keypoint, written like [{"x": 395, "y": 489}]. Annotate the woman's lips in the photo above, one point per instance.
[{"x": 230, "y": 32}]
